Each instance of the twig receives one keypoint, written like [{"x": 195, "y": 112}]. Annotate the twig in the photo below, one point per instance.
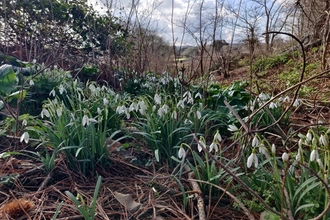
[
  {"x": 239, "y": 203},
  {"x": 200, "y": 199}
]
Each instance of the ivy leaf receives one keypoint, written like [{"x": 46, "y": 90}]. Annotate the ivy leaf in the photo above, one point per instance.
[{"x": 8, "y": 79}]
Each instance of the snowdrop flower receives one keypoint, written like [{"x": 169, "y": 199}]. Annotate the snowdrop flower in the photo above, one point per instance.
[
  {"x": 175, "y": 115},
  {"x": 120, "y": 109},
  {"x": 158, "y": 99},
  {"x": 92, "y": 88},
  {"x": 252, "y": 159},
  {"x": 198, "y": 95},
  {"x": 286, "y": 99},
  {"x": 319, "y": 161},
  {"x": 25, "y": 137},
  {"x": 273, "y": 149},
  {"x": 142, "y": 107},
  {"x": 232, "y": 128},
  {"x": 181, "y": 153},
  {"x": 62, "y": 89},
  {"x": 285, "y": 157},
  {"x": 214, "y": 146},
  {"x": 255, "y": 141},
  {"x": 85, "y": 120},
  {"x": 263, "y": 96},
  {"x": 272, "y": 105},
  {"x": 105, "y": 101},
  {"x": 31, "y": 83},
  {"x": 187, "y": 121},
  {"x": 180, "y": 103},
  {"x": 201, "y": 144},
  {"x": 45, "y": 112},
  {"x": 99, "y": 111},
  {"x": 296, "y": 103},
  {"x": 217, "y": 136},
  {"x": 314, "y": 155},
  {"x": 263, "y": 150},
  {"x": 24, "y": 122},
  {"x": 326, "y": 178},
  {"x": 309, "y": 136},
  {"x": 59, "y": 111},
  {"x": 199, "y": 115},
  {"x": 132, "y": 107},
  {"x": 324, "y": 140},
  {"x": 52, "y": 93}
]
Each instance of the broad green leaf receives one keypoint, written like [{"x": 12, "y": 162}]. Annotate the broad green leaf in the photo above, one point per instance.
[{"x": 8, "y": 79}]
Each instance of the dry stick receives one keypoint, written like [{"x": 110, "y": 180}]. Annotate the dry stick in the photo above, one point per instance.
[
  {"x": 200, "y": 199},
  {"x": 239, "y": 203},
  {"x": 238, "y": 179}
]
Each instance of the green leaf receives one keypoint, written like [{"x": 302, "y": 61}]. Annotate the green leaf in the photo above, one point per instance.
[
  {"x": 8, "y": 79},
  {"x": 20, "y": 95}
]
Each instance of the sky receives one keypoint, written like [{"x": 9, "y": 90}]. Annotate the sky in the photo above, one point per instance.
[{"x": 156, "y": 15}]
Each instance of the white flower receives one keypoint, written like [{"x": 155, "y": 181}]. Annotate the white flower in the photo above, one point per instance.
[
  {"x": 199, "y": 115},
  {"x": 59, "y": 111},
  {"x": 45, "y": 112},
  {"x": 324, "y": 141},
  {"x": 255, "y": 141},
  {"x": 181, "y": 153},
  {"x": 217, "y": 136},
  {"x": 286, "y": 99},
  {"x": 252, "y": 158},
  {"x": 314, "y": 155},
  {"x": 213, "y": 146},
  {"x": 31, "y": 83},
  {"x": 309, "y": 136},
  {"x": 25, "y": 137},
  {"x": 198, "y": 95},
  {"x": 24, "y": 122},
  {"x": 201, "y": 144},
  {"x": 272, "y": 105},
  {"x": 52, "y": 93},
  {"x": 142, "y": 107},
  {"x": 105, "y": 101},
  {"x": 232, "y": 128},
  {"x": 61, "y": 89},
  {"x": 92, "y": 88},
  {"x": 132, "y": 107},
  {"x": 99, "y": 111},
  {"x": 319, "y": 161},
  {"x": 158, "y": 99},
  {"x": 85, "y": 120},
  {"x": 273, "y": 149},
  {"x": 285, "y": 157},
  {"x": 298, "y": 157},
  {"x": 175, "y": 115},
  {"x": 180, "y": 103},
  {"x": 296, "y": 103}
]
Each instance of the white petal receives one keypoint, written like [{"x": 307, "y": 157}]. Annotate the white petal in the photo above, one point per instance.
[
  {"x": 273, "y": 149},
  {"x": 313, "y": 155},
  {"x": 232, "y": 128},
  {"x": 250, "y": 160},
  {"x": 181, "y": 153},
  {"x": 25, "y": 137},
  {"x": 255, "y": 141},
  {"x": 285, "y": 157}
]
